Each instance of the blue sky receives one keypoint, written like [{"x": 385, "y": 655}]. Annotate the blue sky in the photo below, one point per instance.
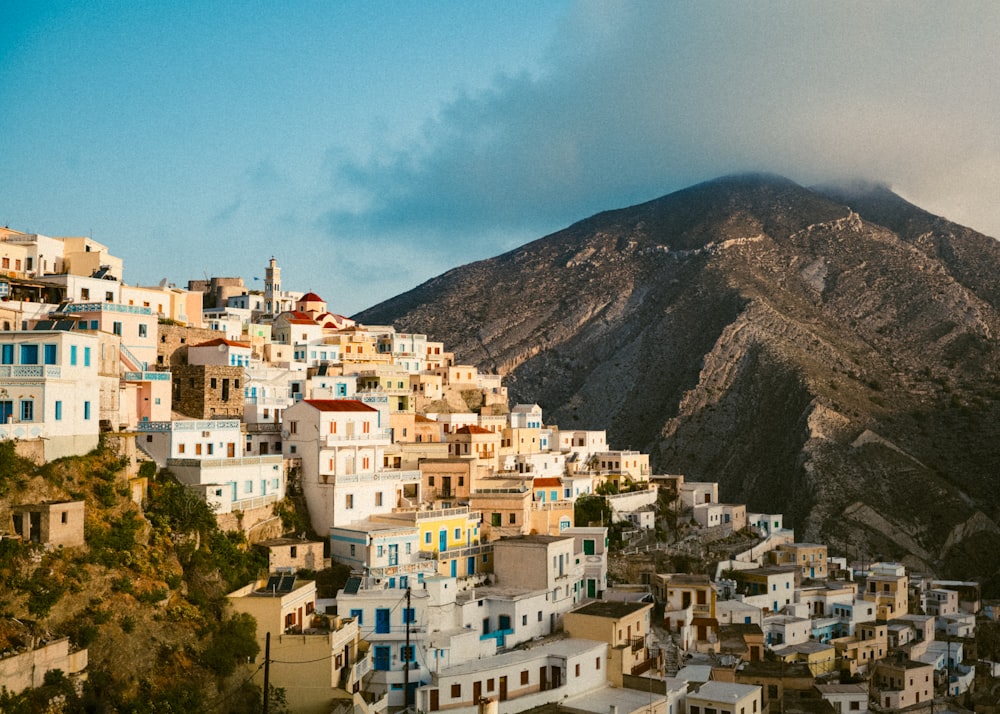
[{"x": 369, "y": 146}]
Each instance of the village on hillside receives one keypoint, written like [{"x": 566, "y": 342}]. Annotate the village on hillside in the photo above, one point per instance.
[{"x": 496, "y": 563}]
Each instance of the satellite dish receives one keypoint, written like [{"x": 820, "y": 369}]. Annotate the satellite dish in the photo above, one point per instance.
[{"x": 163, "y": 283}]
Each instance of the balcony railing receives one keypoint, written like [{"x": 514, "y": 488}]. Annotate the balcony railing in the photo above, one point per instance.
[
  {"x": 30, "y": 370},
  {"x": 341, "y": 439}
]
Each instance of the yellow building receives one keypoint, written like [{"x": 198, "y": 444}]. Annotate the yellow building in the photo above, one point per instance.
[{"x": 450, "y": 536}]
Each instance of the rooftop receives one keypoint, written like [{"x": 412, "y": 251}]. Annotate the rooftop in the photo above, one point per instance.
[{"x": 613, "y": 609}]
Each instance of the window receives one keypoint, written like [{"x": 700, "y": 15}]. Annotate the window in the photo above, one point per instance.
[
  {"x": 116, "y": 328},
  {"x": 427, "y": 538},
  {"x": 143, "y": 331},
  {"x": 458, "y": 534},
  {"x": 180, "y": 448},
  {"x": 513, "y": 518},
  {"x": 378, "y": 498},
  {"x": 524, "y": 619},
  {"x": 406, "y": 653},
  {"x": 524, "y": 676},
  {"x": 27, "y": 410},
  {"x": 86, "y": 410},
  {"x": 855, "y": 706},
  {"x": 293, "y": 427},
  {"x": 50, "y": 354},
  {"x": 456, "y": 691},
  {"x": 352, "y": 555},
  {"x": 430, "y": 480},
  {"x": 379, "y": 550},
  {"x": 58, "y": 410},
  {"x": 248, "y": 487},
  {"x": 72, "y": 355},
  {"x": 490, "y": 683},
  {"x": 85, "y": 293},
  {"x": 597, "y": 663},
  {"x": 29, "y": 354},
  {"x": 7, "y": 354},
  {"x": 577, "y": 669},
  {"x": 409, "y": 615},
  {"x": 349, "y": 501}
]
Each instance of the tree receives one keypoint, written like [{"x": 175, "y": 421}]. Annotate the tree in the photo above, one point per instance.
[
  {"x": 235, "y": 641},
  {"x": 591, "y": 510}
]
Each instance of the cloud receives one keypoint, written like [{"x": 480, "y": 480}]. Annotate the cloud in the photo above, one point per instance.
[{"x": 641, "y": 99}]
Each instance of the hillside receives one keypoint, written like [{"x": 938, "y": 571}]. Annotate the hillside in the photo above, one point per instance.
[
  {"x": 144, "y": 596},
  {"x": 827, "y": 353}
]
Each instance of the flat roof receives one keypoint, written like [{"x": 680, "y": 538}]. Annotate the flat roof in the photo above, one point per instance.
[{"x": 611, "y": 608}]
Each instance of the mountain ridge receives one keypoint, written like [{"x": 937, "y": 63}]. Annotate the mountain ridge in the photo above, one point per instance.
[{"x": 751, "y": 331}]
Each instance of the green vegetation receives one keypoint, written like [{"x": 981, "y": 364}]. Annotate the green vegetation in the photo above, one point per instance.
[{"x": 146, "y": 595}]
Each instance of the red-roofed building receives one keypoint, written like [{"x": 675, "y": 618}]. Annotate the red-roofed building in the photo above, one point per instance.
[
  {"x": 220, "y": 351},
  {"x": 341, "y": 444},
  {"x": 547, "y": 489},
  {"x": 474, "y": 442}
]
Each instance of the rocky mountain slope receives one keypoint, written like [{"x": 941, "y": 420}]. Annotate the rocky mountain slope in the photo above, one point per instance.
[{"x": 827, "y": 353}]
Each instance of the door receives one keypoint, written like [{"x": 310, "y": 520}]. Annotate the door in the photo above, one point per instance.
[
  {"x": 434, "y": 700},
  {"x": 503, "y": 689},
  {"x": 543, "y": 678},
  {"x": 470, "y": 566},
  {"x": 591, "y": 588},
  {"x": 6, "y": 411},
  {"x": 382, "y": 620},
  {"x": 443, "y": 540},
  {"x": 231, "y": 450},
  {"x": 477, "y": 692},
  {"x": 454, "y": 568},
  {"x": 393, "y": 554},
  {"x": 382, "y": 654}
]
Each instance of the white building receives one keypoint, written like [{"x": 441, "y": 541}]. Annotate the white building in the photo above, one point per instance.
[
  {"x": 50, "y": 390},
  {"x": 341, "y": 444}
]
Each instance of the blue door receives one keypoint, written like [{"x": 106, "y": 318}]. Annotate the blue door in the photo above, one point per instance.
[
  {"x": 443, "y": 540},
  {"x": 470, "y": 566},
  {"x": 454, "y": 567},
  {"x": 6, "y": 410},
  {"x": 382, "y": 620},
  {"x": 382, "y": 658}
]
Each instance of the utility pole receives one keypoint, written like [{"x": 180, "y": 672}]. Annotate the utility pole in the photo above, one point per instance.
[
  {"x": 267, "y": 668},
  {"x": 406, "y": 649}
]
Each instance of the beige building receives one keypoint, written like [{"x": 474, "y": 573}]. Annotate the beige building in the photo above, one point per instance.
[
  {"x": 292, "y": 554},
  {"x": 887, "y": 586},
  {"x": 310, "y": 657},
  {"x": 725, "y": 698},
  {"x": 27, "y": 670},
  {"x": 624, "y": 626},
  {"x": 902, "y": 684},
  {"x": 809, "y": 559},
  {"x": 58, "y": 523}
]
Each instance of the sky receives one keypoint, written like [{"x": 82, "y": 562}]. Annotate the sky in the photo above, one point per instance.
[{"x": 369, "y": 146}]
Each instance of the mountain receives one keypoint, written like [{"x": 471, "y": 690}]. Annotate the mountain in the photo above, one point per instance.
[{"x": 828, "y": 353}]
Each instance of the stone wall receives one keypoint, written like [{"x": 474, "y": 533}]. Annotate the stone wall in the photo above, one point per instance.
[
  {"x": 208, "y": 391},
  {"x": 171, "y": 350}
]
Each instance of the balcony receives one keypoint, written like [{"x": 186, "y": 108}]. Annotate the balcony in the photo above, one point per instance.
[
  {"x": 30, "y": 370},
  {"x": 333, "y": 440},
  {"x": 263, "y": 428}
]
